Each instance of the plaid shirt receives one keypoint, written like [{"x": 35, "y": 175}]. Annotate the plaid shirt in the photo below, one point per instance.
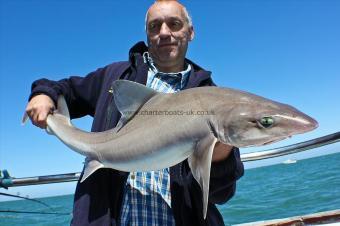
[{"x": 147, "y": 198}]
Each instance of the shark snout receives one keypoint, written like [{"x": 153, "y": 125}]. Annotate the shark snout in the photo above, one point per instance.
[
  {"x": 305, "y": 123},
  {"x": 297, "y": 123},
  {"x": 312, "y": 124}
]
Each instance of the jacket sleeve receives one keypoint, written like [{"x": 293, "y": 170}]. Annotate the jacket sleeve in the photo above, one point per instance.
[
  {"x": 223, "y": 177},
  {"x": 81, "y": 93}
]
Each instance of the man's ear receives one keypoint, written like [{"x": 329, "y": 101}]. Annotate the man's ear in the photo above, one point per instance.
[{"x": 192, "y": 33}]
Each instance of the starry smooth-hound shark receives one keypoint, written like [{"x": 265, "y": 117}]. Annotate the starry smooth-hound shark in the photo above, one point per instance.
[{"x": 158, "y": 130}]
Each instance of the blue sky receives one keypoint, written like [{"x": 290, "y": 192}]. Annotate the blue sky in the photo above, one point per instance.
[{"x": 285, "y": 50}]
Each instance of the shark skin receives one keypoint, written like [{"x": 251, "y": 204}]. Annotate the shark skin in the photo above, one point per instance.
[{"x": 159, "y": 130}]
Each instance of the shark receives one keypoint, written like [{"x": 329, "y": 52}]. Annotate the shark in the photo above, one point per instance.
[{"x": 158, "y": 130}]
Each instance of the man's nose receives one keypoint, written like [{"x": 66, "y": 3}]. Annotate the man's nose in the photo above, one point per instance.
[{"x": 164, "y": 31}]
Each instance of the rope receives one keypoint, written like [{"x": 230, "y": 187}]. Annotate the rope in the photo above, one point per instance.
[{"x": 29, "y": 199}]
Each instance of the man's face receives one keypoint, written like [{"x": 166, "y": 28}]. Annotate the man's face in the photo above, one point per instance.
[{"x": 168, "y": 33}]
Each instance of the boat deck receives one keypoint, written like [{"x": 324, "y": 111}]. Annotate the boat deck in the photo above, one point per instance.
[{"x": 321, "y": 218}]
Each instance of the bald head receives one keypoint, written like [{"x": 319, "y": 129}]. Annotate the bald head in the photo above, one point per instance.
[{"x": 174, "y": 2}]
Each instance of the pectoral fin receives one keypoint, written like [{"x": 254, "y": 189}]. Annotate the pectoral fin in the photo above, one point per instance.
[
  {"x": 200, "y": 163},
  {"x": 91, "y": 165}
]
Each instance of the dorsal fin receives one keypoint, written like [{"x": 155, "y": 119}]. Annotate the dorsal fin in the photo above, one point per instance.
[{"x": 129, "y": 97}]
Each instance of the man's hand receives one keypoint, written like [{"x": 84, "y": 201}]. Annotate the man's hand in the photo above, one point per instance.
[
  {"x": 38, "y": 109},
  {"x": 221, "y": 152}
]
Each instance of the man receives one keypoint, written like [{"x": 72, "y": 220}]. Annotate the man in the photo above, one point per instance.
[{"x": 165, "y": 197}]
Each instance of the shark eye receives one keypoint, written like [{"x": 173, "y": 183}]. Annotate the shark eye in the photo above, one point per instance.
[{"x": 267, "y": 122}]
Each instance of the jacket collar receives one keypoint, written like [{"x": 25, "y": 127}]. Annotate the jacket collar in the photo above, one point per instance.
[{"x": 197, "y": 75}]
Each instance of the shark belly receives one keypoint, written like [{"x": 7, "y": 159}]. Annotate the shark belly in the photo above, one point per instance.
[{"x": 153, "y": 159}]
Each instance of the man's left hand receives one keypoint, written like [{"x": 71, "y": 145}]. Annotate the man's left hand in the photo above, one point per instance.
[{"x": 221, "y": 152}]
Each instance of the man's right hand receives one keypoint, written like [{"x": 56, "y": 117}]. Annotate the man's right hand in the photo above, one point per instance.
[{"x": 39, "y": 108}]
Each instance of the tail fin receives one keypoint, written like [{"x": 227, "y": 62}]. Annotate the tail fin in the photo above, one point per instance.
[
  {"x": 24, "y": 118},
  {"x": 62, "y": 109}
]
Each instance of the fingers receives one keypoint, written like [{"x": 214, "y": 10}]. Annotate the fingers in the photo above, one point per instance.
[
  {"x": 38, "y": 109},
  {"x": 40, "y": 117}
]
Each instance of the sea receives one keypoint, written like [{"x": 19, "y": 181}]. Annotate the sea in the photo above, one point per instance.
[{"x": 271, "y": 192}]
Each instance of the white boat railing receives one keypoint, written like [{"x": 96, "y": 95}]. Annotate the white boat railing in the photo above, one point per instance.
[{"x": 291, "y": 149}]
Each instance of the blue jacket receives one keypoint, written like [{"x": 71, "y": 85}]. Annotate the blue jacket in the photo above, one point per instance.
[{"x": 98, "y": 199}]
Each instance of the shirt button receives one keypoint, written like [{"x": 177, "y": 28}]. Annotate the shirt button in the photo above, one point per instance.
[{"x": 133, "y": 176}]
